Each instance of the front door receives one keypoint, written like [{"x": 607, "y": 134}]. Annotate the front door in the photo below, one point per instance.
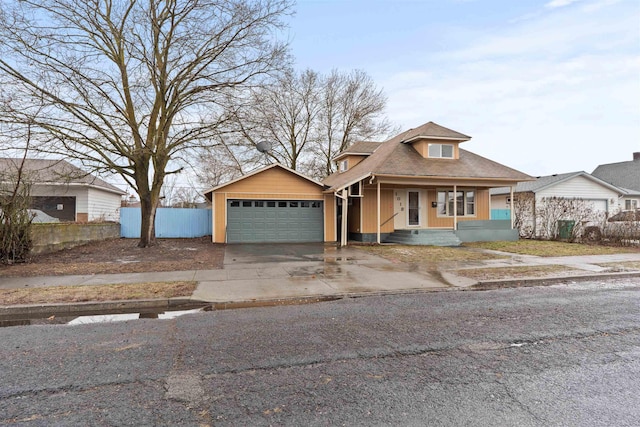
[{"x": 413, "y": 210}]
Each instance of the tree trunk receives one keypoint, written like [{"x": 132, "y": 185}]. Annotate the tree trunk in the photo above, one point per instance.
[{"x": 147, "y": 228}]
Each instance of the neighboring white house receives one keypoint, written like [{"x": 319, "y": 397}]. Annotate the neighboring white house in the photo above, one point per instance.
[
  {"x": 64, "y": 191},
  {"x": 626, "y": 176},
  {"x": 597, "y": 196}
]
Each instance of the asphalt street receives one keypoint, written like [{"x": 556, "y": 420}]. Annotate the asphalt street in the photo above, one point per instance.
[{"x": 566, "y": 355}]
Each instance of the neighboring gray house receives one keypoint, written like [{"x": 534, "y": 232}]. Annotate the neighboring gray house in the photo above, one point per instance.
[
  {"x": 598, "y": 196},
  {"x": 64, "y": 191},
  {"x": 626, "y": 176}
]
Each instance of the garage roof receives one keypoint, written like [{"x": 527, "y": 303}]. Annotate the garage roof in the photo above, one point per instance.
[{"x": 208, "y": 193}]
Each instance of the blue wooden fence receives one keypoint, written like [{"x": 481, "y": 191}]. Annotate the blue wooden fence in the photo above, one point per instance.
[
  {"x": 500, "y": 213},
  {"x": 170, "y": 222}
]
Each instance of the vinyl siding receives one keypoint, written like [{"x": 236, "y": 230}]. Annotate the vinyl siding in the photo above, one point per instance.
[
  {"x": 102, "y": 205},
  {"x": 582, "y": 188},
  {"x": 274, "y": 180},
  {"x": 219, "y": 218},
  {"x": 370, "y": 211},
  {"x": 330, "y": 219}
]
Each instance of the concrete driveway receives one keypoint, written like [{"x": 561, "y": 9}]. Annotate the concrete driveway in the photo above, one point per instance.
[{"x": 258, "y": 272}]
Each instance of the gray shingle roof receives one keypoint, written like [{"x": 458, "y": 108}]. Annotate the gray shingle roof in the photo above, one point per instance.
[
  {"x": 360, "y": 147},
  {"x": 395, "y": 157},
  {"x": 48, "y": 171},
  {"x": 621, "y": 174}
]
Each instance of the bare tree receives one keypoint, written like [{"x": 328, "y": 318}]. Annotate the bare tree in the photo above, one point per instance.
[
  {"x": 352, "y": 109},
  {"x": 131, "y": 86},
  {"x": 309, "y": 118},
  {"x": 178, "y": 194},
  {"x": 15, "y": 188},
  {"x": 551, "y": 210},
  {"x": 523, "y": 205},
  {"x": 222, "y": 163},
  {"x": 282, "y": 113}
]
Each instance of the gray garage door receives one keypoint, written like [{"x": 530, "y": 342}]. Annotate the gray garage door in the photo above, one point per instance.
[{"x": 254, "y": 221}]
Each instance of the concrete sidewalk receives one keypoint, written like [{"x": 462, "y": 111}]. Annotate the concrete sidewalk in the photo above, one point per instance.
[{"x": 254, "y": 273}]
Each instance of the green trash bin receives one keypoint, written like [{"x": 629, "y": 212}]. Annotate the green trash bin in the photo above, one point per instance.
[{"x": 565, "y": 227}]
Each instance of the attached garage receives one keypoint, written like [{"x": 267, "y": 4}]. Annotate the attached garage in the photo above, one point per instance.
[
  {"x": 272, "y": 205},
  {"x": 254, "y": 221}
]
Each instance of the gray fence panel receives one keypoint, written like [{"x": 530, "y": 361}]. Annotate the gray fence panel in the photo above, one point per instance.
[{"x": 170, "y": 223}]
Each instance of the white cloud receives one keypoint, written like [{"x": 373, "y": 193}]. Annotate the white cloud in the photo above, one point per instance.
[
  {"x": 554, "y": 94},
  {"x": 559, "y": 3}
]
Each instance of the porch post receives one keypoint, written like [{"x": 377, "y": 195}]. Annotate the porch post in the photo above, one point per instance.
[
  {"x": 511, "y": 211},
  {"x": 455, "y": 207},
  {"x": 345, "y": 213},
  {"x": 378, "y": 215}
]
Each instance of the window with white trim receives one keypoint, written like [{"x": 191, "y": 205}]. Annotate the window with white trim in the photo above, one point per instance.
[
  {"x": 344, "y": 165},
  {"x": 444, "y": 151},
  {"x": 630, "y": 205},
  {"x": 465, "y": 203}
]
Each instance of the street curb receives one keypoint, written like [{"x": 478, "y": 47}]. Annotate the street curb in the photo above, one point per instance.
[
  {"x": 545, "y": 281},
  {"x": 25, "y": 312}
]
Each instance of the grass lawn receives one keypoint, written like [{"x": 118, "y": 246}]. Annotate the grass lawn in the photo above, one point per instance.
[
  {"x": 623, "y": 266},
  {"x": 68, "y": 294},
  {"x": 498, "y": 273},
  {"x": 427, "y": 255},
  {"x": 547, "y": 248}
]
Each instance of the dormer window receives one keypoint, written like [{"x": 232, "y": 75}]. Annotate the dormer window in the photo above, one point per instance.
[
  {"x": 344, "y": 165},
  {"x": 444, "y": 151}
]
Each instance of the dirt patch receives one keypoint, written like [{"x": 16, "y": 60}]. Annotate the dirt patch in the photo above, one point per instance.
[
  {"x": 123, "y": 256},
  {"x": 116, "y": 292}
]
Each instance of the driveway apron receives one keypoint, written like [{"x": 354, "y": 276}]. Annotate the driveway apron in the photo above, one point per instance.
[{"x": 254, "y": 272}]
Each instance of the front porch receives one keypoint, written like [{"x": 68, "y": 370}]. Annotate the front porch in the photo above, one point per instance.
[
  {"x": 419, "y": 214},
  {"x": 468, "y": 231}
]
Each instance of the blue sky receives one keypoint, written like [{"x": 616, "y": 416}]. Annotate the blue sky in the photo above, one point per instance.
[{"x": 542, "y": 86}]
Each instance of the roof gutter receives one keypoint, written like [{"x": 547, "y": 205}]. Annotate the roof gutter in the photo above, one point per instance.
[{"x": 333, "y": 188}]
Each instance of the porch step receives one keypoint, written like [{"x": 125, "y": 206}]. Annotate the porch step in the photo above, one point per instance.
[{"x": 424, "y": 237}]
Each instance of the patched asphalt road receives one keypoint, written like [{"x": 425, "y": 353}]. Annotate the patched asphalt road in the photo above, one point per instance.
[{"x": 559, "y": 355}]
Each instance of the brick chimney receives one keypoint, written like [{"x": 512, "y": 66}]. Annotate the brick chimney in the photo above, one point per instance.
[{"x": 636, "y": 156}]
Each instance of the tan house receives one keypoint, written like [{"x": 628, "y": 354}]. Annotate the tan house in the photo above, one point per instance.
[{"x": 419, "y": 187}]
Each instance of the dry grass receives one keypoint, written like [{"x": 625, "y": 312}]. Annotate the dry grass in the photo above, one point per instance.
[
  {"x": 498, "y": 273},
  {"x": 428, "y": 255},
  {"x": 622, "y": 266},
  {"x": 545, "y": 248},
  {"x": 71, "y": 294}
]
